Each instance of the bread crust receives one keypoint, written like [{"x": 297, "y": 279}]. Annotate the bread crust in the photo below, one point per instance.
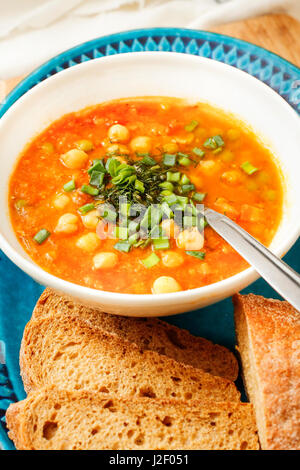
[
  {"x": 147, "y": 333},
  {"x": 271, "y": 366}
]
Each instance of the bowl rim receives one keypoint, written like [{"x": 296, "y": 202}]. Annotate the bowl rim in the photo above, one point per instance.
[{"x": 240, "y": 279}]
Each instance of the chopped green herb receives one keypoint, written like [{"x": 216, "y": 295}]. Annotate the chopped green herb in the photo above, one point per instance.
[
  {"x": 41, "y": 236},
  {"x": 184, "y": 180},
  {"x": 171, "y": 199},
  {"x": 139, "y": 186},
  {"x": 173, "y": 177},
  {"x": 86, "y": 208},
  {"x": 191, "y": 126},
  {"x": 87, "y": 189},
  {"x": 198, "y": 196},
  {"x": 248, "y": 168},
  {"x": 69, "y": 186},
  {"x": 199, "y": 152},
  {"x": 184, "y": 161},
  {"x": 123, "y": 246},
  {"x": 196, "y": 254},
  {"x": 161, "y": 244},
  {"x": 214, "y": 142},
  {"x": 166, "y": 192},
  {"x": 97, "y": 178},
  {"x": 148, "y": 161},
  {"x": 167, "y": 185},
  {"x": 98, "y": 165},
  {"x": 150, "y": 261},
  {"x": 121, "y": 232},
  {"x": 186, "y": 188},
  {"x": 169, "y": 159}
]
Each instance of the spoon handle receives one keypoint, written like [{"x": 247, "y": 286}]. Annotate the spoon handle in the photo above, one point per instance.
[{"x": 275, "y": 271}]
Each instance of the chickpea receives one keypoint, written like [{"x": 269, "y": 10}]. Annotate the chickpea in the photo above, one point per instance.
[
  {"x": 118, "y": 133},
  {"x": 141, "y": 144},
  {"x": 232, "y": 177},
  {"x": 185, "y": 139},
  {"x": 91, "y": 219},
  {"x": 85, "y": 145},
  {"x": 170, "y": 228},
  {"x": 105, "y": 260},
  {"x": 171, "y": 259},
  {"x": 67, "y": 223},
  {"x": 190, "y": 239},
  {"x": 209, "y": 166},
  {"x": 165, "y": 285},
  {"x": 88, "y": 242},
  {"x": 251, "y": 213},
  {"x": 118, "y": 149},
  {"x": 61, "y": 201},
  {"x": 227, "y": 156},
  {"x": 170, "y": 147},
  {"x": 223, "y": 206},
  {"x": 74, "y": 159}
]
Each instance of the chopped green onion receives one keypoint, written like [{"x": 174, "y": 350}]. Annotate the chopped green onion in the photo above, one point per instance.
[
  {"x": 86, "y": 208},
  {"x": 41, "y": 236},
  {"x": 98, "y": 165},
  {"x": 169, "y": 159},
  {"x": 182, "y": 200},
  {"x": 249, "y": 168},
  {"x": 151, "y": 261},
  {"x": 167, "y": 185},
  {"x": 165, "y": 209},
  {"x": 69, "y": 186},
  {"x": 191, "y": 126},
  {"x": 148, "y": 160},
  {"x": 189, "y": 221},
  {"x": 123, "y": 246},
  {"x": 199, "y": 152},
  {"x": 214, "y": 142},
  {"x": 184, "y": 161},
  {"x": 87, "y": 189},
  {"x": 161, "y": 244},
  {"x": 196, "y": 254},
  {"x": 173, "y": 177},
  {"x": 166, "y": 192},
  {"x": 133, "y": 226},
  {"x": 198, "y": 196},
  {"x": 184, "y": 180},
  {"x": 107, "y": 213},
  {"x": 97, "y": 178},
  {"x": 112, "y": 165},
  {"x": 121, "y": 232},
  {"x": 171, "y": 199},
  {"x": 84, "y": 145},
  {"x": 139, "y": 186},
  {"x": 186, "y": 188}
]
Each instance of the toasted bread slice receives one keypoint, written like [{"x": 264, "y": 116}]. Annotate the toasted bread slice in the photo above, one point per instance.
[
  {"x": 52, "y": 419},
  {"x": 152, "y": 334},
  {"x": 66, "y": 351},
  {"x": 268, "y": 334}
]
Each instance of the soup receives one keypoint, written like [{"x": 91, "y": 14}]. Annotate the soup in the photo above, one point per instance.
[{"x": 110, "y": 197}]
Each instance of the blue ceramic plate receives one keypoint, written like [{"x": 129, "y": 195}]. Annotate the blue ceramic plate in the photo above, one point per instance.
[{"x": 18, "y": 292}]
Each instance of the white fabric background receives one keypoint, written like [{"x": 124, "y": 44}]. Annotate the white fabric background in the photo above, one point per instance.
[{"x": 31, "y": 31}]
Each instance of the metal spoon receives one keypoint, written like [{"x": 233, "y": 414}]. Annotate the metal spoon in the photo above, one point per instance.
[{"x": 275, "y": 271}]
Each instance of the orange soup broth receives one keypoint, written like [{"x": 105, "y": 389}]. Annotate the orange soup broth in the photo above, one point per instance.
[{"x": 40, "y": 175}]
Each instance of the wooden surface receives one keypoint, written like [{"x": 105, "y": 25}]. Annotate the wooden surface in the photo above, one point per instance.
[{"x": 278, "y": 33}]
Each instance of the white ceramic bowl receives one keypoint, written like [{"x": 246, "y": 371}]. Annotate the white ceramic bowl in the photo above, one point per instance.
[{"x": 153, "y": 74}]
